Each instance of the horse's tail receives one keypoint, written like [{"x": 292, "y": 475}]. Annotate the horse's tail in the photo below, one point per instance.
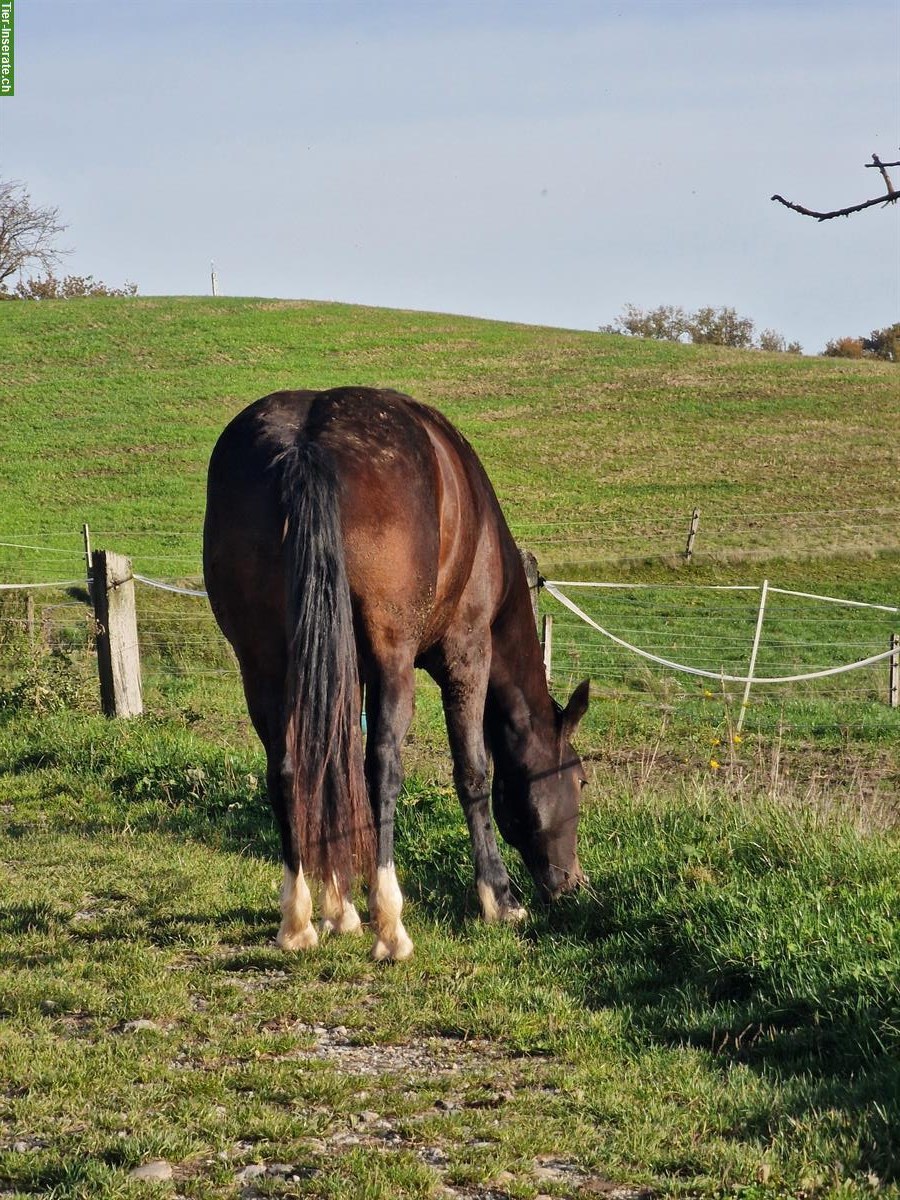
[{"x": 330, "y": 817}]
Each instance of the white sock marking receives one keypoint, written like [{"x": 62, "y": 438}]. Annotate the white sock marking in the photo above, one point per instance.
[
  {"x": 392, "y": 941},
  {"x": 296, "y": 932}
]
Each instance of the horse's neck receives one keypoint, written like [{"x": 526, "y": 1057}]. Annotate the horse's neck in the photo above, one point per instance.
[{"x": 518, "y": 701}]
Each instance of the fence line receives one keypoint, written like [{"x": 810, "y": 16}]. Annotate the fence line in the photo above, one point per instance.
[
  {"x": 741, "y": 522},
  {"x": 706, "y": 587},
  {"x": 677, "y": 614},
  {"x": 564, "y": 520},
  {"x": 719, "y": 676},
  {"x": 40, "y": 549},
  {"x": 720, "y": 587}
]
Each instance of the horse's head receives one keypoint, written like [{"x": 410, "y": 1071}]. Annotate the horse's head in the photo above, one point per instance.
[{"x": 537, "y": 809}]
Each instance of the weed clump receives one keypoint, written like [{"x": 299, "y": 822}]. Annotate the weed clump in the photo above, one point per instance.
[{"x": 49, "y": 682}]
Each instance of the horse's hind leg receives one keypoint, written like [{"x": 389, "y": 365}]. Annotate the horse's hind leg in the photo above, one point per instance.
[
  {"x": 296, "y": 931},
  {"x": 389, "y": 709},
  {"x": 338, "y": 912}
]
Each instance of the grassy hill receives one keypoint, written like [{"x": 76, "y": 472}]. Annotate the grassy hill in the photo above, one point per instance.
[{"x": 599, "y": 446}]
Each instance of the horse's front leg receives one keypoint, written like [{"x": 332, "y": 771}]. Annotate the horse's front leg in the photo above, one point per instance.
[
  {"x": 464, "y": 688},
  {"x": 338, "y": 912},
  {"x": 389, "y": 710}
]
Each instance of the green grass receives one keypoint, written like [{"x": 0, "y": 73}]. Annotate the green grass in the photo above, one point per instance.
[{"x": 716, "y": 1015}]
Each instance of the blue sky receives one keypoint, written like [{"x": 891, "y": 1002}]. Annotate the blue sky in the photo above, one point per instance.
[{"x": 541, "y": 162}]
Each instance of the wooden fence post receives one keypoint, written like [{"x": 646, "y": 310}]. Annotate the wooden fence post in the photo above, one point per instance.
[
  {"x": 692, "y": 535},
  {"x": 894, "y": 676},
  {"x": 533, "y": 575},
  {"x": 29, "y": 618},
  {"x": 118, "y": 660}
]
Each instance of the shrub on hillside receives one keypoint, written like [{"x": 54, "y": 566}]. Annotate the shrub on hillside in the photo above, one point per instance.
[
  {"x": 667, "y": 323},
  {"x": 707, "y": 326},
  {"x": 774, "y": 342},
  {"x": 70, "y": 287},
  {"x": 881, "y": 343},
  {"x": 845, "y": 347},
  {"x": 884, "y": 343},
  {"x": 720, "y": 327}
]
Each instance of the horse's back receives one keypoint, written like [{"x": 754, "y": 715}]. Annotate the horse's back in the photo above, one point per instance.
[{"x": 417, "y": 512}]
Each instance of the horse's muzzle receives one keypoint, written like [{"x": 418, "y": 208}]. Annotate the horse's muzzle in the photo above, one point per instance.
[{"x": 565, "y": 881}]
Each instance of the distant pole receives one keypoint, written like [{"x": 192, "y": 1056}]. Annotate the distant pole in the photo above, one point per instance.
[
  {"x": 213, "y": 280},
  {"x": 692, "y": 535},
  {"x": 894, "y": 677},
  {"x": 764, "y": 591},
  {"x": 86, "y": 534}
]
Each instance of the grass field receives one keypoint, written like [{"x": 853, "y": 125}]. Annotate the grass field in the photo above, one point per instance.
[
  {"x": 718, "y": 1014},
  {"x": 600, "y": 446}
]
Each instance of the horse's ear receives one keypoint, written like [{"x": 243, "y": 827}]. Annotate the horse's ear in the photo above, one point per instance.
[{"x": 575, "y": 709}]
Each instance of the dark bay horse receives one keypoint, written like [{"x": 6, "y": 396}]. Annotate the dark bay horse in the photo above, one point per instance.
[{"x": 350, "y": 536}]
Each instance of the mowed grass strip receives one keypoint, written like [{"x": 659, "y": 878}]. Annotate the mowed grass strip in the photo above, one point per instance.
[{"x": 716, "y": 1015}]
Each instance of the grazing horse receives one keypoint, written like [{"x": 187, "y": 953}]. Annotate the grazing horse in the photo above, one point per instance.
[{"x": 350, "y": 536}]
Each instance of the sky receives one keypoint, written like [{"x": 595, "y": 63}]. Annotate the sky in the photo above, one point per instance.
[{"x": 543, "y": 161}]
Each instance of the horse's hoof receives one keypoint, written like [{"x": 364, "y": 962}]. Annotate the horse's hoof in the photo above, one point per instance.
[
  {"x": 345, "y": 923},
  {"x": 396, "y": 949},
  {"x": 297, "y": 939},
  {"x": 495, "y": 909}
]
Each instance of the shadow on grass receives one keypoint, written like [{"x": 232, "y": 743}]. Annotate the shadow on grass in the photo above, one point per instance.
[
  {"x": 833, "y": 1049},
  {"x": 822, "y": 1020}
]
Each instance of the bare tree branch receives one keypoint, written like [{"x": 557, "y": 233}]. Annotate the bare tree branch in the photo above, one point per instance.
[
  {"x": 876, "y": 162},
  {"x": 27, "y": 233},
  {"x": 889, "y": 198},
  {"x": 839, "y": 212}
]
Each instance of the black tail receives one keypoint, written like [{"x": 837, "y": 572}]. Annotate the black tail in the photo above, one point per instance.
[{"x": 330, "y": 815}]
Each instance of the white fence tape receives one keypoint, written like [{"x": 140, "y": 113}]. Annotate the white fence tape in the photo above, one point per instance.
[
  {"x": 717, "y": 587},
  {"x": 171, "y": 587},
  {"x": 554, "y": 591},
  {"x": 835, "y": 600},
  {"x": 701, "y": 587},
  {"x": 26, "y": 587}
]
